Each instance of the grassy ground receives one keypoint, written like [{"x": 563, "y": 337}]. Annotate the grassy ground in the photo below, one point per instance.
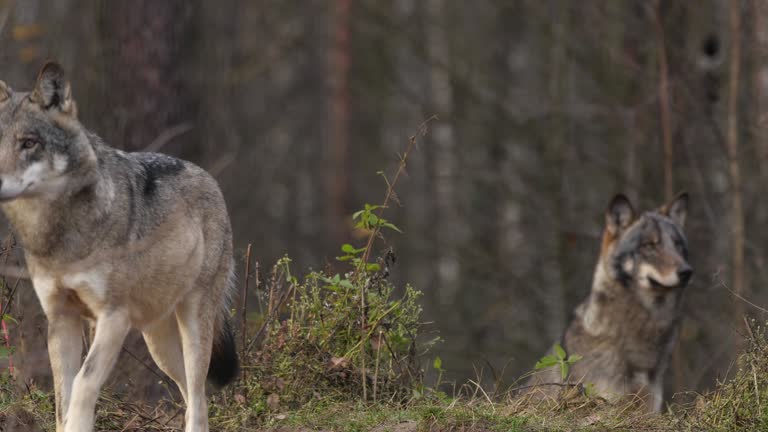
[{"x": 737, "y": 405}]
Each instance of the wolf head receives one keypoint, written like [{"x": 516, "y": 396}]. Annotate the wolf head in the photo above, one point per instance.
[
  {"x": 647, "y": 253},
  {"x": 42, "y": 144}
]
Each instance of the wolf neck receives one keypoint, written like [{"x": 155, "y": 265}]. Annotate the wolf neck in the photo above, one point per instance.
[
  {"x": 611, "y": 304},
  {"x": 52, "y": 227}
]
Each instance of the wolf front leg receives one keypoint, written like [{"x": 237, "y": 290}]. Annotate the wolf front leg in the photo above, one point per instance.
[
  {"x": 65, "y": 346},
  {"x": 111, "y": 330}
]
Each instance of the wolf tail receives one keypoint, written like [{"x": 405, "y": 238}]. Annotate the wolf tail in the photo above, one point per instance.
[{"x": 224, "y": 365}]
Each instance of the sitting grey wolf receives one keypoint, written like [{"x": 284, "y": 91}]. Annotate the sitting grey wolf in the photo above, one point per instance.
[
  {"x": 627, "y": 328},
  {"x": 126, "y": 240}
]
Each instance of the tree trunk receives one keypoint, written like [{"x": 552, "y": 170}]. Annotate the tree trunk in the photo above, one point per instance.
[
  {"x": 664, "y": 103},
  {"x": 558, "y": 70},
  {"x": 737, "y": 212},
  {"x": 443, "y": 138},
  {"x": 153, "y": 104},
  {"x": 338, "y": 100},
  {"x": 759, "y": 137}
]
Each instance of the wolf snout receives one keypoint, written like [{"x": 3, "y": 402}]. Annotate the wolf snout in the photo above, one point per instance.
[{"x": 684, "y": 274}]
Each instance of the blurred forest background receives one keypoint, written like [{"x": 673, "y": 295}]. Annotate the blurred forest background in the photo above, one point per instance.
[{"x": 546, "y": 109}]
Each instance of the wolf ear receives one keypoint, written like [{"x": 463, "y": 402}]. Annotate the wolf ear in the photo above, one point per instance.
[
  {"x": 677, "y": 209},
  {"x": 52, "y": 90},
  {"x": 5, "y": 94},
  {"x": 619, "y": 214}
]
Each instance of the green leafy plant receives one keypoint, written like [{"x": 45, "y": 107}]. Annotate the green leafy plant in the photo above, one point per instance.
[
  {"x": 437, "y": 364},
  {"x": 368, "y": 220},
  {"x": 354, "y": 257},
  {"x": 559, "y": 359}
]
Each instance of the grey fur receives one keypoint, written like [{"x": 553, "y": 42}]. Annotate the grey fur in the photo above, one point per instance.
[
  {"x": 138, "y": 240},
  {"x": 627, "y": 328}
]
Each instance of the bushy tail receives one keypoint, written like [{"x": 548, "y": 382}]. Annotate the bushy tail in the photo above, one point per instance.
[{"x": 224, "y": 364}]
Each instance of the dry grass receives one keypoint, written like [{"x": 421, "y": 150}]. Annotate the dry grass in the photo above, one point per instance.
[{"x": 736, "y": 405}]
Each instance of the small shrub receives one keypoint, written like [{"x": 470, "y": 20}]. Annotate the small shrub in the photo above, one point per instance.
[{"x": 313, "y": 346}]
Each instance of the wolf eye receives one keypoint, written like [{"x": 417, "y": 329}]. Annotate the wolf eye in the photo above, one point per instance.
[{"x": 28, "y": 143}]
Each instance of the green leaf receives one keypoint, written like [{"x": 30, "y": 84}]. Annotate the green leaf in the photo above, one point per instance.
[
  {"x": 346, "y": 284},
  {"x": 560, "y": 352},
  {"x": 357, "y": 214},
  {"x": 573, "y": 358},
  {"x": 347, "y": 248},
  {"x": 372, "y": 267},
  {"x": 438, "y": 363},
  {"x": 564, "y": 370},
  {"x": 9, "y": 318},
  {"x": 4, "y": 352},
  {"x": 546, "y": 361},
  {"x": 392, "y": 227},
  {"x": 373, "y": 219}
]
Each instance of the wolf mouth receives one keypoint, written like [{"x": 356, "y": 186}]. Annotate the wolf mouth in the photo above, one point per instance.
[{"x": 658, "y": 286}]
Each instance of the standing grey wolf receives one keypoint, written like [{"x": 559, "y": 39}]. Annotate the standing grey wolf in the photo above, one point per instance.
[
  {"x": 627, "y": 328},
  {"x": 126, "y": 240}
]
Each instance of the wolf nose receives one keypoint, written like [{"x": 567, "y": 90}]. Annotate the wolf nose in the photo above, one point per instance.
[{"x": 684, "y": 275}]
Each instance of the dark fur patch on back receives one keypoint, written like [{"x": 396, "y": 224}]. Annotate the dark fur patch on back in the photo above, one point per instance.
[
  {"x": 224, "y": 364},
  {"x": 155, "y": 167}
]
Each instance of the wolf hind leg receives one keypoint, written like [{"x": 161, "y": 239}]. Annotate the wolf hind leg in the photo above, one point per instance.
[
  {"x": 111, "y": 330},
  {"x": 164, "y": 343},
  {"x": 196, "y": 325}
]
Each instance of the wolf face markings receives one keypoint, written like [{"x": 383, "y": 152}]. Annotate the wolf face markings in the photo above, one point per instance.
[
  {"x": 128, "y": 240},
  {"x": 648, "y": 254},
  {"x": 627, "y": 327},
  {"x": 36, "y": 152}
]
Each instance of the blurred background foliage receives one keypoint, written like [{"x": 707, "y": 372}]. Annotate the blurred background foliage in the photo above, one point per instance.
[{"x": 546, "y": 109}]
